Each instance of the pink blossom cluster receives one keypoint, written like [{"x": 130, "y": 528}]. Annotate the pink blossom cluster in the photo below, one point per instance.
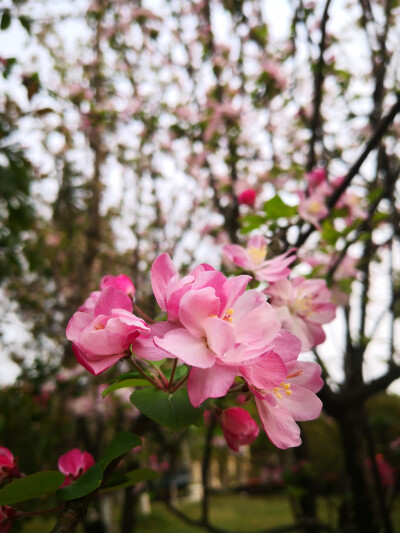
[
  {"x": 302, "y": 305},
  {"x": 313, "y": 203},
  {"x": 224, "y": 333}
]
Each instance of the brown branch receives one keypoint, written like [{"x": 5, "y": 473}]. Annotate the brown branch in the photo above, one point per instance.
[
  {"x": 373, "y": 142},
  {"x": 379, "y": 384},
  {"x": 315, "y": 123}
]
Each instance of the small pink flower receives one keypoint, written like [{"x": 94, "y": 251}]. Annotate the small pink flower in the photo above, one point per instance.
[
  {"x": 313, "y": 208},
  {"x": 6, "y": 518},
  {"x": 302, "y": 306},
  {"x": 316, "y": 177},
  {"x": 120, "y": 282},
  {"x": 247, "y": 197},
  {"x": 238, "y": 427},
  {"x": 252, "y": 258},
  {"x": 8, "y": 464},
  {"x": 102, "y": 338},
  {"x": 73, "y": 464}
]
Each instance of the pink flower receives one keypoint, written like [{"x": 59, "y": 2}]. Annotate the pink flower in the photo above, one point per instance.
[
  {"x": 222, "y": 329},
  {"x": 252, "y": 258},
  {"x": 313, "y": 208},
  {"x": 8, "y": 464},
  {"x": 292, "y": 400},
  {"x": 302, "y": 305},
  {"x": 102, "y": 338},
  {"x": 6, "y": 517},
  {"x": 247, "y": 197},
  {"x": 73, "y": 464},
  {"x": 120, "y": 282},
  {"x": 238, "y": 427},
  {"x": 316, "y": 177}
]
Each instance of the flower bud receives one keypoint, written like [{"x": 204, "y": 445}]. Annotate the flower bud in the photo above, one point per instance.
[{"x": 238, "y": 427}]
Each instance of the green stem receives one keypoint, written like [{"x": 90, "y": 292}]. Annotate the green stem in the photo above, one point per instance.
[
  {"x": 140, "y": 312},
  {"x": 157, "y": 369},
  {"x": 154, "y": 381},
  {"x": 171, "y": 379},
  {"x": 179, "y": 383}
]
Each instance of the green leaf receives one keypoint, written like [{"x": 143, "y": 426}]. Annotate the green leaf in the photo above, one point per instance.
[
  {"x": 121, "y": 444},
  {"x": 26, "y": 23},
  {"x": 122, "y": 481},
  {"x": 87, "y": 483},
  {"x": 5, "y": 19},
  {"x": 29, "y": 487},
  {"x": 171, "y": 410},
  {"x": 276, "y": 208},
  {"x": 133, "y": 382},
  {"x": 250, "y": 222}
]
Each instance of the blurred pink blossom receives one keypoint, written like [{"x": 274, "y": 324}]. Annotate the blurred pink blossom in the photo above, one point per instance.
[
  {"x": 73, "y": 464},
  {"x": 239, "y": 427}
]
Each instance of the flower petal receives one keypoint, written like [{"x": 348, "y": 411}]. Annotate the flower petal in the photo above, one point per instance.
[
  {"x": 278, "y": 424},
  {"x": 191, "y": 350},
  {"x": 210, "y": 382}
]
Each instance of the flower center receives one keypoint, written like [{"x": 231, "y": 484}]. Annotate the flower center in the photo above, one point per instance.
[
  {"x": 302, "y": 305},
  {"x": 257, "y": 254},
  {"x": 284, "y": 388}
]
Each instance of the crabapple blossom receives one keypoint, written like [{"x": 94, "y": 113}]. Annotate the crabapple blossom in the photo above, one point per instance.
[
  {"x": 313, "y": 208},
  {"x": 8, "y": 464},
  {"x": 222, "y": 329},
  {"x": 302, "y": 306},
  {"x": 101, "y": 338},
  {"x": 120, "y": 282},
  {"x": 238, "y": 427},
  {"x": 252, "y": 258},
  {"x": 73, "y": 464},
  {"x": 247, "y": 197}
]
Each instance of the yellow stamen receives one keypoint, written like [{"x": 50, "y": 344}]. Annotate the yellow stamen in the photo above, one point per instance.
[{"x": 257, "y": 254}]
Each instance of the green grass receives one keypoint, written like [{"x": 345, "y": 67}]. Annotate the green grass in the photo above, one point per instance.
[
  {"x": 234, "y": 512},
  {"x": 239, "y": 512}
]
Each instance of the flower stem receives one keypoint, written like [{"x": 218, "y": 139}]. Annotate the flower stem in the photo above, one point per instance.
[
  {"x": 179, "y": 383},
  {"x": 171, "y": 379},
  {"x": 22, "y": 514},
  {"x": 154, "y": 381},
  {"x": 140, "y": 312}
]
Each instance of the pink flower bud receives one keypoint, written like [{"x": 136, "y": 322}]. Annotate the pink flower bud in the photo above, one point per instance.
[
  {"x": 8, "y": 464},
  {"x": 73, "y": 464},
  {"x": 247, "y": 197},
  {"x": 238, "y": 427},
  {"x": 120, "y": 282}
]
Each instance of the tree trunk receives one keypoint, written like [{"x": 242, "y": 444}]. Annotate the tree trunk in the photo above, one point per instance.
[{"x": 364, "y": 505}]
